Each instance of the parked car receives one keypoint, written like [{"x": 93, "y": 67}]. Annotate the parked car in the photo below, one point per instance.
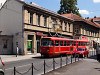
[
  {"x": 82, "y": 52},
  {"x": 1, "y": 67}
]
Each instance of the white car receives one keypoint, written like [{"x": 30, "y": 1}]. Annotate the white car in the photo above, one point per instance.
[{"x": 1, "y": 67}]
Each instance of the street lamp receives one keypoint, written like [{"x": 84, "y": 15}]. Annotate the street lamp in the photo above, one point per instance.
[
  {"x": 56, "y": 28},
  {"x": 0, "y": 37}
]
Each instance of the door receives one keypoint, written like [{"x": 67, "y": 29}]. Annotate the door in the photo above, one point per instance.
[
  {"x": 30, "y": 44},
  {"x": 38, "y": 46}
]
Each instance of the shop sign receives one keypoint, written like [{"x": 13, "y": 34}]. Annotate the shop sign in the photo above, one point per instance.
[{"x": 41, "y": 34}]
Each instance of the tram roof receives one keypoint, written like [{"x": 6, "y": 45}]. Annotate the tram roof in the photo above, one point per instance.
[
  {"x": 82, "y": 40},
  {"x": 58, "y": 38},
  {"x": 61, "y": 38}
]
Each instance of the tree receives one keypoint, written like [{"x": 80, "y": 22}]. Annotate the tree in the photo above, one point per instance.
[{"x": 68, "y": 6}]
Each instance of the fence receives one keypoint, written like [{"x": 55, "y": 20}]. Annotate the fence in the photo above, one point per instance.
[
  {"x": 62, "y": 62},
  {"x": 92, "y": 53}
]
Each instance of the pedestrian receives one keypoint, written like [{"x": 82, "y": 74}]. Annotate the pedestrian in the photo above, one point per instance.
[
  {"x": 17, "y": 51},
  {"x": 98, "y": 52}
]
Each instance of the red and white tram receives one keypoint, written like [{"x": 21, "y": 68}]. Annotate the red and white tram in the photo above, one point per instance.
[{"x": 52, "y": 46}]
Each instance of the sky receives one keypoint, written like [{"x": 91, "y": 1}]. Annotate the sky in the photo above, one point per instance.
[{"x": 87, "y": 8}]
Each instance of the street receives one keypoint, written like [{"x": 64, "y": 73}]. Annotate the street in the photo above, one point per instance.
[{"x": 25, "y": 66}]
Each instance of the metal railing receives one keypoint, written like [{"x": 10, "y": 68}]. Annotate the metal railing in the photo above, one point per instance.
[{"x": 62, "y": 62}]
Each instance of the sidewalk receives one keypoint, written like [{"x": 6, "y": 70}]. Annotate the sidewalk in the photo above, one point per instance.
[
  {"x": 84, "y": 67},
  {"x": 9, "y": 58}
]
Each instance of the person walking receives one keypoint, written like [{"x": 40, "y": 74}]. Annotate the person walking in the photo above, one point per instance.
[{"x": 98, "y": 52}]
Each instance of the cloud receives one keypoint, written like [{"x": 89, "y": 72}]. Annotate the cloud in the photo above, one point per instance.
[
  {"x": 84, "y": 12},
  {"x": 22, "y": 0},
  {"x": 2, "y": 1},
  {"x": 96, "y": 1}
]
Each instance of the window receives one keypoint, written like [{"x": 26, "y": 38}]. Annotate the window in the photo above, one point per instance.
[
  {"x": 76, "y": 30},
  {"x": 83, "y": 31},
  {"x": 31, "y": 18},
  {"x": 79, "y": 43},
  {"x": 71, "y": 42},
  {"x": 69, "y": 28},
  {"x": 47, "y": 42},
  {"x": 61, "y": 43},
  {"x": 45, "y": 21},
  {"x": 38, "y": 20},
  {"x": 68, "y": 43},
  {"x": 65, "y": 26},
  {"x": 65, "y": 43},
  {"x": 61, "y": 25},
  {"x": 87, "y": 43},
  {"x": 56, "y": 43},
  {"x": 5, "y": 43},
  {"x": 54, "y": 23},
  {"x": 74, "y": 43}
]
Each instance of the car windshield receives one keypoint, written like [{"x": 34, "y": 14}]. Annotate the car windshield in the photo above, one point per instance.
[{"x": 80, "y": 49}]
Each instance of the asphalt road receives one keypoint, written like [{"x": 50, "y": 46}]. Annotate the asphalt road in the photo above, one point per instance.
[{"x": 24, "y": 65}]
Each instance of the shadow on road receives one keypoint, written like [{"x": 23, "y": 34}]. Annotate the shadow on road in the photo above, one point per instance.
[
  {"x": 97, "y": 69},
  {"x": 39, "y": 57}
]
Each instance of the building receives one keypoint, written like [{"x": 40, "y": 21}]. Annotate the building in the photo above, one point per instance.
[
  {"x": 84, "y": 27},
  {"x": 27, "y": 23},
  {"x": 96, "y": 21}
]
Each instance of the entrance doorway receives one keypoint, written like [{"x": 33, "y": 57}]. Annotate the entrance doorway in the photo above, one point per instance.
[
  {"x": 38, "y": 43},
  {"x": 30, "y": 43},
  {"x": 38, "y": 46}
]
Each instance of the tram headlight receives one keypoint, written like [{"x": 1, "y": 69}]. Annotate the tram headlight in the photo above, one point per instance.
[{"x": 47, "y": 50}]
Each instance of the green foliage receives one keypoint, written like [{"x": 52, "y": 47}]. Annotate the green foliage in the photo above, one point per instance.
[{"x": 68, "y": 6}]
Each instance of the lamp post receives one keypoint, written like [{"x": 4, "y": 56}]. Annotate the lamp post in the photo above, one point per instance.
[
  {"x": 55, "y": 28},
  {"x": 0, "y": 37}
]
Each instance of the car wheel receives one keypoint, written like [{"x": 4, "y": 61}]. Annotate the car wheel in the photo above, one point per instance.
[{"x": 1, "y": 73}]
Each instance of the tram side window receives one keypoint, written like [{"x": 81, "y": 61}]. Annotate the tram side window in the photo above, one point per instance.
[
  {"x": 83, "y": 43},
  {"x": 61, "y": 43},
  {"x": 47, "y": 43},
  {"x": 71, "y": 43},
  {"x": 68, "y": 43},
  {"x": 74, "y": 43},
  {"x": 51, "y": 43},
  {"x": 79, "y": 43},
  {"x": 56, "y": 43},
  {"x": 87, "y": 43},
  {"x": 65, "y": 43}
]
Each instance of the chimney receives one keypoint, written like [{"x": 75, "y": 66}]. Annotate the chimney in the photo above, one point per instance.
[
  {"x": 94, "y": 16},
  {"x": 87, "y": 17},
  {"x": 30, "y": 2}
]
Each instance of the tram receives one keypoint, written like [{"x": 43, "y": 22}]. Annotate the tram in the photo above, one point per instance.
[{"x": 53, "y": 46}]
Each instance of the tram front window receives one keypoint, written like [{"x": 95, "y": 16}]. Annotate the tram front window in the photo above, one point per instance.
[{"x": 46, "y": 42}]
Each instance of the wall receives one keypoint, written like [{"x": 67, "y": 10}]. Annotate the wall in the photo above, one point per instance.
[
  {"x": 11, "y": 22},
  {"x": 6, "y": 45}
]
